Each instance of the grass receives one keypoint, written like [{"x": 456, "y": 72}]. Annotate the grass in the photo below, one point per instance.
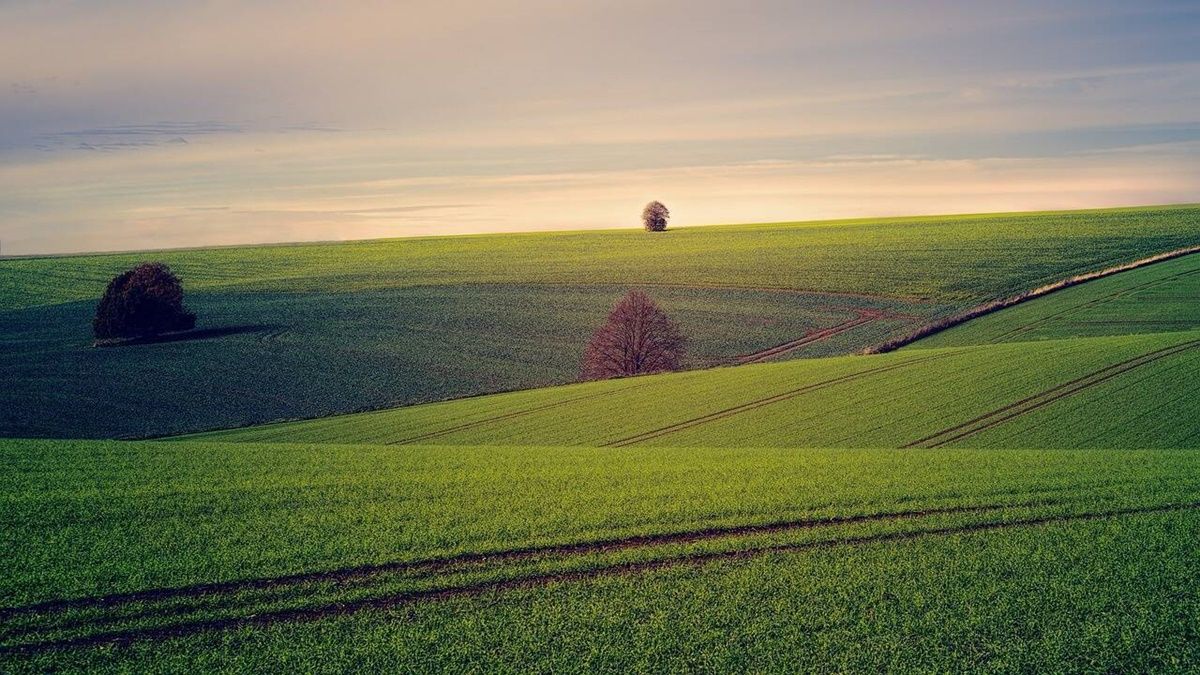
[
  {"x": 320, "y": 354},
  {"x": 1157, "y": 298},
  {"x": 1019, "y": 600},
  {"x": 163, "y": 516},
  {"x": 1037, "y": 510},
  {"x": 334, "y": 328},
  {"x": 946, "y": 257},
  {"x": 889, "y": 400}
]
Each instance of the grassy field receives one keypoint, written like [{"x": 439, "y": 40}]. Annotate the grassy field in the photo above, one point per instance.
[
  {"x": 1020, "y": 493},
  {"x": 320, "y": 354},
  {"x": 308, "y": 543},
  {"x": 313, "y": 330},
  {"x": 1047, "y": 598},
  {"x": 1160, "y": 297},
  {"x": 939, "y": 397}
]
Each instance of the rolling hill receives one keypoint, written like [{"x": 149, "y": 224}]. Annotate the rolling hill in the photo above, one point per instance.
[
  {"x": 1020, "y": 492},
  {"x": 199, "y": 553},
  {"x": 313, "y": 330}
]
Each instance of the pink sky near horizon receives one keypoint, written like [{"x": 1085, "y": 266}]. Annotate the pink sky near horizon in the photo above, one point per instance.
[{"x": 133, "y": 125}]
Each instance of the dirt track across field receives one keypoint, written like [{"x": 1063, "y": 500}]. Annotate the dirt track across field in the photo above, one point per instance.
[
  {"x": 395, "y": 600},
  {"x": 765, "y": 401},
  {"x": 1047, "y": 397}
]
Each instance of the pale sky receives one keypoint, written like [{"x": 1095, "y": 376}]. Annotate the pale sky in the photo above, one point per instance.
[{"x": 130, "y": 124}]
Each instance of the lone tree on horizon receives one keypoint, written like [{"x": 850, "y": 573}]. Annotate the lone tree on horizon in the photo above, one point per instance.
[
  {"x": 637, "y": 338},
  {"x": 142, "y": 302},
  {"x": 655, "y": 216}
]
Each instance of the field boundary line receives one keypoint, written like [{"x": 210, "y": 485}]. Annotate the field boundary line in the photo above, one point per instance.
[
  {"x": 997, "y": 305},
  {"x": 392, "y": 601},
  {"x": 762, "y": 402},
  {"x": 864, "y": 317},
  {"x": 1046, "y": 397},
  {"x": 1091, "y": 303}
]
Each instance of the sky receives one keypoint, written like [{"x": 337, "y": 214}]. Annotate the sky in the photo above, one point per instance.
[{"x": 131, "y": 124}]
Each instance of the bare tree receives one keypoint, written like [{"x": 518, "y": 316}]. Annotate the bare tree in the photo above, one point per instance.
[
  {"x": 637, "y": 338},
  {"x": 655, "y": 216}
]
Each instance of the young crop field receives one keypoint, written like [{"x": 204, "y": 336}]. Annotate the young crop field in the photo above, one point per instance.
[
  {"x": 1161, "y": 297},
  {"x": 1018, "y": 493},
  {"x": 939, "y": 397},
  {"x": 306, "y": 331},
  {"x": 323, "y": 556}
]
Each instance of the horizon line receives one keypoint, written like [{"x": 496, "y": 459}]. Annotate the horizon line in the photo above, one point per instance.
[{"x": 582, "y": 230}]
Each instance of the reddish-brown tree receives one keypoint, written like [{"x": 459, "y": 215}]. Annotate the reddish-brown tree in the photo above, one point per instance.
[
  {"x": 147, "y": 300},
  {"x": 637, "y": 338},
  {"x": 654, "y": 217}
]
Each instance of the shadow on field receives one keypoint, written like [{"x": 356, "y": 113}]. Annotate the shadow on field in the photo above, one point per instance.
[{"x": 181, "y": 336}]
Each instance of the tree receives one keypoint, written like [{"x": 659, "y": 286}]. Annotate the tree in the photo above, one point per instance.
[
  {"x": 655, "y": 216},
  {"x": 637, "y": 338},
  {"x": 144, "y": 301}
]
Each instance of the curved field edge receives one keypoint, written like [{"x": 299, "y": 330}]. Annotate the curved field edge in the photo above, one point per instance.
[
  {"x": 1155, "y": 298},
  {"x": 888, "y": 400},
  {"x": 1041, "y": 291}
]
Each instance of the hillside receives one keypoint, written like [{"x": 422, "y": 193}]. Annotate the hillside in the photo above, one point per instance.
[
  {"x": 314, "y": 330},
  {"x": 1160, "y": 297},
  {"x": 198, "y": 552},
  {"x": 909, "y": 510}
]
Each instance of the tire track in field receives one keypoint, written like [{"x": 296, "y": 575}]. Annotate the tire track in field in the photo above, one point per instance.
[
  {"x": 510, "y": 555},
  {"x": 538, "y": 580},
  {"x": 762, "y": 402},
  {"x": 862, "y": 317},
  {"x": 230, "y": 600},
  {"x": 1037, "y": 323},
  {"x": 511, "y": 415},
  {"x": 1047, "y": 397}
]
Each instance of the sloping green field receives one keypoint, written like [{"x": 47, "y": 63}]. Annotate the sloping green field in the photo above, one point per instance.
[
  {"x": 915, "y": 397},
  {"x": 313, "y": 330},
  {"x": 944, "y": 257},
  {"x": 1019, "y": 493},
  {"x": 192, "y": 554},
  {"x": 1161, "y": 297}
]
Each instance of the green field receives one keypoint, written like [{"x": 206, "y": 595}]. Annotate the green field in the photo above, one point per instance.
[
  {"x": 891, "y": 400},
  {"x": 307, "y": 534},
  {"x": 1161, "y": 297},
  {"x": 1017, "y": 493},
  {"x": 312, "y": 330}
]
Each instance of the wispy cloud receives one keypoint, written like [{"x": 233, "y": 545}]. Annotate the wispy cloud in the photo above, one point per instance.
[{"x": 226, "y": 121}]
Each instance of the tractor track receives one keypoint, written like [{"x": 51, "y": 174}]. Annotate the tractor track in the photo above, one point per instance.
[
  {"x": 862, "y": 317},
  {"x": 762, "y": 402},
  {"x": 392, "y": 601},
  {"x": 511, "y": 415},
  {"x": 1025, "y": 328},
  {"x": 1046, "y": 397},
  {"x": 517, "y": 554}
]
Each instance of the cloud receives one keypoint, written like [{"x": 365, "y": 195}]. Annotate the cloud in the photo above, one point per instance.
[{"x": 307, "y": 119}]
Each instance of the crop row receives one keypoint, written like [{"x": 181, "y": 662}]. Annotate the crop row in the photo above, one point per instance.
[{"x": 889, "y": 400}]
